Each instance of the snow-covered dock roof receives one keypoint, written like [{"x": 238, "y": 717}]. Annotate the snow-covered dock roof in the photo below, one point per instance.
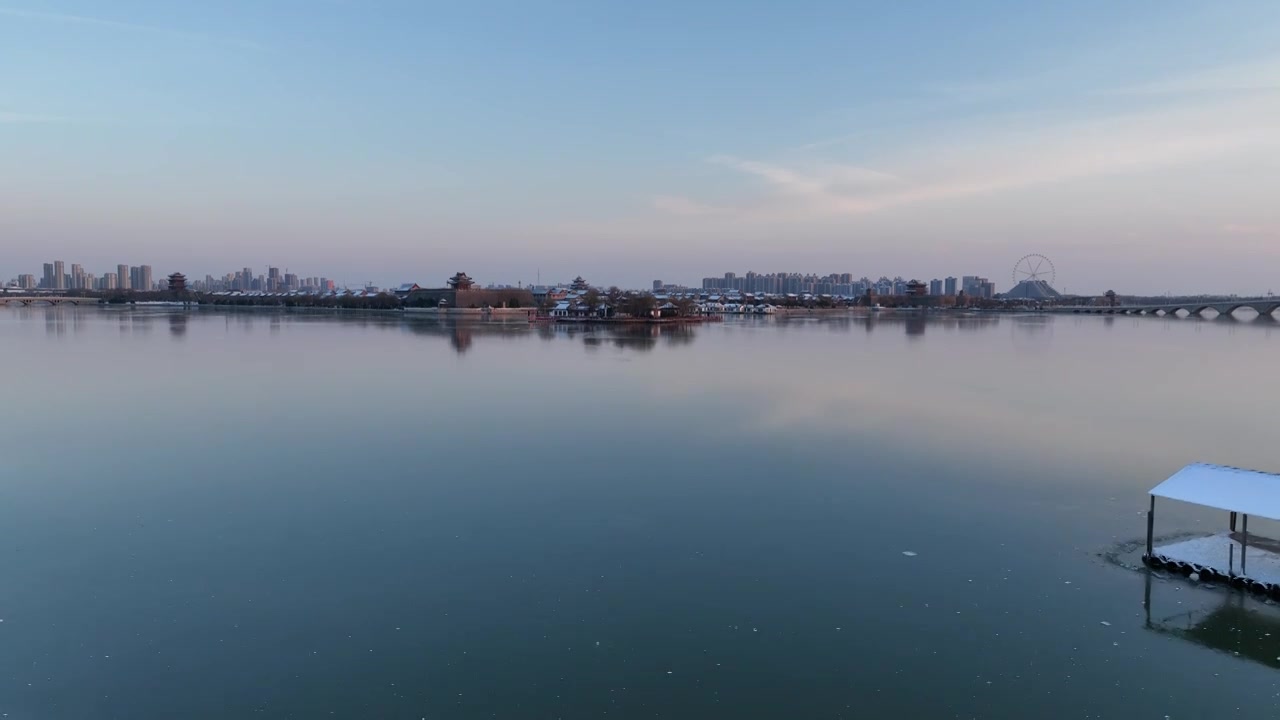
[{"x": 1225, "y": 488}]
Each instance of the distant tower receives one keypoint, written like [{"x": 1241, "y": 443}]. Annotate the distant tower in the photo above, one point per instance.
[
  {"x": 461, "y": 281},
  {"x": 177, "y": 283}
]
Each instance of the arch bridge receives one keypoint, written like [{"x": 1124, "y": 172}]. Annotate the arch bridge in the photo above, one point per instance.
[
  {"x": 1265, "y": 306},
  {"x": 28, "y": 300}
]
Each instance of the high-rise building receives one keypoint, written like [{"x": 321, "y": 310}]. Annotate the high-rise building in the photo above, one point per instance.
[
  {"x": 46, "y": 282},
  {"x": 273, "y": 279},
  {"x": 949, "y": 286},
  {"x": 144, "y": 278},
  {"x": 77, "y": 276},
  {"x": 935, "y": 287},
  {"x": 975, "y": 286},
  {"x": 123, "y": 277},
  {"x": 110, "y": 281},
  {"x": 291, "y": 283},
  {"x": 27, "y": 281},
  {"x": 59, "y": 276}
]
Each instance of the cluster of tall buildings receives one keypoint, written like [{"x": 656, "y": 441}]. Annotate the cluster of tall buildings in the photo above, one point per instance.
[
  {"x": 842, "y": 284},
  {"x": 56, "y": 277},
  {"x": 273, "y": 281}
]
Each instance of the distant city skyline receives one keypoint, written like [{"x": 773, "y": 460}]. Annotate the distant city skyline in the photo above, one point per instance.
[
  {"x": 1137, "y": 144},
  {"x": 272, "y": 278},
  {"x": 54, "y": 276}
]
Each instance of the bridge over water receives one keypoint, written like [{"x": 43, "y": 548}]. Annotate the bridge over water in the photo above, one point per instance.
[
  {"x": 26, "y": 300},
  {"x": 1262, "y": 306}
]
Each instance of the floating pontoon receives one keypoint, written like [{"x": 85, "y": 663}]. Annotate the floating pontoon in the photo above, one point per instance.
[{"x": 1243, "y": 560}]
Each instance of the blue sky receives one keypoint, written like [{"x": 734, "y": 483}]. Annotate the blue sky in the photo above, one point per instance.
[{"x": 1137, "y": 144}]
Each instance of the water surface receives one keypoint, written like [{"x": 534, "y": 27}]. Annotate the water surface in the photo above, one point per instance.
[{"x": 235, "y": 514}]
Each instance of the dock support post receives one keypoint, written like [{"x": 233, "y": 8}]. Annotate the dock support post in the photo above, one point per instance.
[
  {"x": 1244, "y": 546},
  {"x": 1233, "y": 521},
  {"x": 1151, "y": 525}
]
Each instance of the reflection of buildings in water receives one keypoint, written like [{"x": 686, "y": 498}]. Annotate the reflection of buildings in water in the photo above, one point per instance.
[
  {"x": 972, "y": 322},
  {"x": 627, "y": 336},
  {"x": 1032, "y": 334},
  {"x": 461, "y": 333},
  {"x": 55, "y": 322},
  {"x": 461, "y": 338},
  {"x": 178, "y": 324},
  {"x": 915, "y": 324},
  {"x": 1236, "y": 623},
  {"x": 680, "y": 334}
]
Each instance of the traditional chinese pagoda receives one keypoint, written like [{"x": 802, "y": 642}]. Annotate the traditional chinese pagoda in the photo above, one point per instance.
[
  {"x": 460, "y": 281},
  {"x": 177, "y": 282}
]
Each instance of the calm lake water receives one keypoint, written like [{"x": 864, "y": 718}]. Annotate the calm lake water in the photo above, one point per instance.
[{"x": 260, "y": 514}]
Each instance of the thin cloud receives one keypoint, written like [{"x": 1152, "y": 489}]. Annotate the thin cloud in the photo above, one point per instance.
[
  {"x": 172, "y": 33},
  {"x": 1011, "y": 160}
]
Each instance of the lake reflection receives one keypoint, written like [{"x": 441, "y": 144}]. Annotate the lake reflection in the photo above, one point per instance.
[{"x": 214, "y": 514}]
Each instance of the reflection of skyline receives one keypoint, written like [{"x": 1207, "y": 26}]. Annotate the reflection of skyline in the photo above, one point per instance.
[
  {"x": 625, "y": 336},
  {"x": 1032, "y": 334},
  {"x": 461, "y": 333},
  {"x": 178, "y": 324},
  {"x": 971, "y": 385},
  {"x": 461, "y": 338},
  {"x": 914, "y": 324},
  {"x": 978, "y": 391}
]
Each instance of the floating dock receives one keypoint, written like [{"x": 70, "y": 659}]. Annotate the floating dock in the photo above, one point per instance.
[{"x": 1234, "y": 556}]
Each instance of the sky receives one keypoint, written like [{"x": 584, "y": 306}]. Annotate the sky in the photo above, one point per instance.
[{"x": 1136, "y": 144}]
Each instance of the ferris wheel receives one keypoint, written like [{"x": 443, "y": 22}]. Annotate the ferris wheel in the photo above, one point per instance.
[{"x": 1034, "y": 268}]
